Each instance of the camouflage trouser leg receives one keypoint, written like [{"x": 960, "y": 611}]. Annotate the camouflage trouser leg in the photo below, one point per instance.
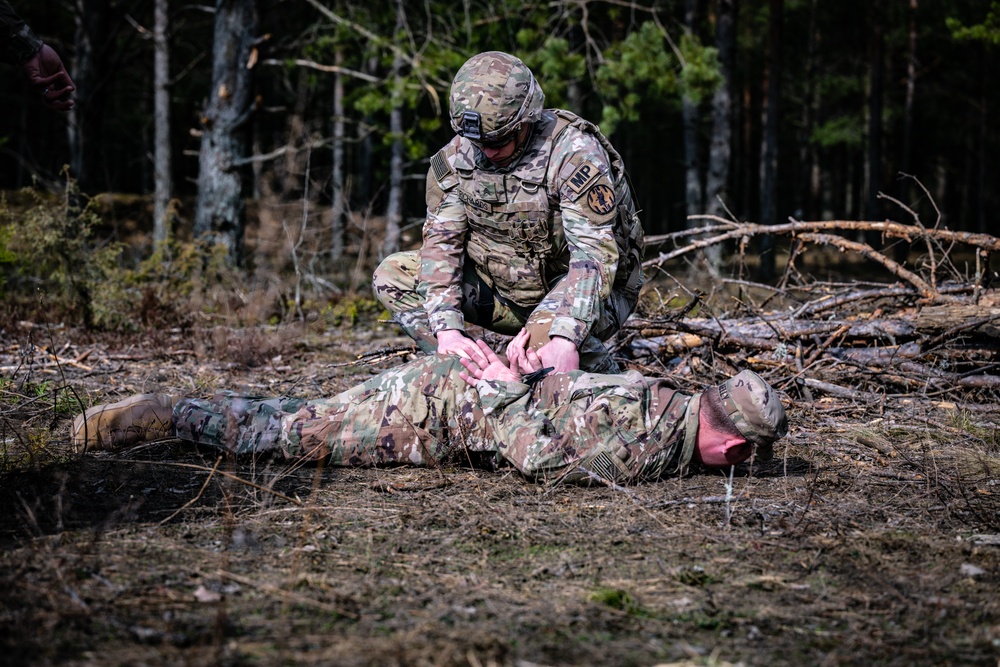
[
  {"x": 395, "y": 285},
  {"x": 419, "y": 413},
  {"x": 239, "y": 424}
]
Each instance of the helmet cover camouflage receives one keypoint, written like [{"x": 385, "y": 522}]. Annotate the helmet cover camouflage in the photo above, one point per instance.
[
  {"x": 492, "y": 96},
  {"x": 754, "y": 407}
]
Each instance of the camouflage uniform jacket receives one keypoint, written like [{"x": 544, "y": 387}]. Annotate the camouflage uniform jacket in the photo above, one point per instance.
[
  {"x": 564, "y": 209},
  {"x": 623, "y": 428}
]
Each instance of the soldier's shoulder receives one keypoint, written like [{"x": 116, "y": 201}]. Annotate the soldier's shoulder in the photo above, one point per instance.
[
  {"x": 444, "y": 163},
  {"x": 578, "y": 162},
  {"x": 577, "y": 145},
  {"x": 449, "y": 150}
]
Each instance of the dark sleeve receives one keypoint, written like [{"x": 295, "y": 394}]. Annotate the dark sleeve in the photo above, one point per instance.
[
  {"x": 9, "y": 21},
  {"x": 17, "y": 42}
]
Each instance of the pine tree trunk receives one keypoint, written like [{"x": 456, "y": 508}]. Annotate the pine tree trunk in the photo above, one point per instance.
[
  {"x": 367, "y": 147},
  {"x": 337, "y": 186},
  {"x": 394, "y": 209},
  {"x": 986, "y": 82},
  {"x": 874, "y": 164},
  {"x": 162, "y": 177},
  {"x": 911, "y": 87},
  {"x": 90, "y": 67},
  {"x": 749, "y": 158},
  {"x": 902, "y": 249},
  {"x": 220, "y": 211},
  {"x": 297, "y": 137},
  {"x": 804, "y": 195},
  {"x": 769, "y": 140},
  {"x": 693, "y": 192},
  {"x": 720, "y": 149}
]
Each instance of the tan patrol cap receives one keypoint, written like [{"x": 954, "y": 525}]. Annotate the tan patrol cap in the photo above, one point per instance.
[{"x": 754, "y": 407}]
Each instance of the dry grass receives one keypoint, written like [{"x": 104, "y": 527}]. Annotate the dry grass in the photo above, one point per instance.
[{"x": 860, "y": 543}]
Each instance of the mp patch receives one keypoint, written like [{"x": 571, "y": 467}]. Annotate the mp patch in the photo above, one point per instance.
[
  {"x": 582, "y": 177},
  {"x": 601, "y": 199}
]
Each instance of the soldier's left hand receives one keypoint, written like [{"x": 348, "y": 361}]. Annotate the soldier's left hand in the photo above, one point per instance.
[
  {"x": 521, "y": 358},
  {"x": 561, "y": 354},
  {"x": 484, "y": 364}
]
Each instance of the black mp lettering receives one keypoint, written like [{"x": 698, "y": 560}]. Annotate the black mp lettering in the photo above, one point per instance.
[{"x": 582, "y": 175}]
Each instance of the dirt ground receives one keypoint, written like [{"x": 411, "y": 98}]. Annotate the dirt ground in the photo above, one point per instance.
[{"x": 872, "y": 538}]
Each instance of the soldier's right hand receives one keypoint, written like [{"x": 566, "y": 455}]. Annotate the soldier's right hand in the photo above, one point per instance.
[{"x": 454, "y": 341}]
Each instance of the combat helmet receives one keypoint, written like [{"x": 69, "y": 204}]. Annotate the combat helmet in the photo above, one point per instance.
[
  {"x": 493, "y": 95},
  {"x": 754, "y": 408}
]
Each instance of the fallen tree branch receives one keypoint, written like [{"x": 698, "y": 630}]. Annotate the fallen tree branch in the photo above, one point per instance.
[
  {"x": 829, "y": 302},
  {"x": 892, "y": 266},
  {"x": 733, "y": 230},
  {"x": 839, "y": 391},
  {"x": 201, "y": 491}
]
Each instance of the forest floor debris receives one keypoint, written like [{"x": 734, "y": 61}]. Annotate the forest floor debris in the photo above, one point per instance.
[{"x": 872, "y": 537}]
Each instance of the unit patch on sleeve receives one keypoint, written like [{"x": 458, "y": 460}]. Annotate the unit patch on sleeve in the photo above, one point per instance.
[
  {"x": 582, "y": 177},
  {"x": 601, "y": 199}
]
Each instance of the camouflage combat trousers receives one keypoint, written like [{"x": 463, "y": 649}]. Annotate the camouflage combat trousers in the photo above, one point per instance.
[
  {"x": 395, "y": 285},
  {"x": 421, "y": 413}
]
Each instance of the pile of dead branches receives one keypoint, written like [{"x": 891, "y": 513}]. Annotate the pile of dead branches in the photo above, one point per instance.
[{"x": 931, "y": 328}]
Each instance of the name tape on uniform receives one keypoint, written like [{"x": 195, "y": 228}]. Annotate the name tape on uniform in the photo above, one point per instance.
[{"x": 475, "y": 203}]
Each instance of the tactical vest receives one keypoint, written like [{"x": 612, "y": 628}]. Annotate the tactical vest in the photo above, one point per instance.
[{"x": 516, "y": 237}]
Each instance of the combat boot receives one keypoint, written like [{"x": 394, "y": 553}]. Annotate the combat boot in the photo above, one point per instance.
[{"x": 125, "y": 423}]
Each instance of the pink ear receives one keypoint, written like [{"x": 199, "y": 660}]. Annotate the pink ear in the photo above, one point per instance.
[
  {"x": 723, "y": 451},
  {"x": 738, "y": 450}
]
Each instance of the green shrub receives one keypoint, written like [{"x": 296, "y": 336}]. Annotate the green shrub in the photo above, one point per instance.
[
  {"x": 53, "y": 265},
  {"x": 46, "y": 248}
]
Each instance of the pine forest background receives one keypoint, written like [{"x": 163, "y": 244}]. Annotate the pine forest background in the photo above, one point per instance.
[{"x": 316, "y": 119}]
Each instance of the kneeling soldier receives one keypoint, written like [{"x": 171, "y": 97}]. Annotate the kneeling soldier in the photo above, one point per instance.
[{"x": 530, "y": 223}]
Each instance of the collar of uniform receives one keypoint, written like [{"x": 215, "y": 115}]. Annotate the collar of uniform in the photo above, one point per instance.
[{"x": 690, "y": 424}]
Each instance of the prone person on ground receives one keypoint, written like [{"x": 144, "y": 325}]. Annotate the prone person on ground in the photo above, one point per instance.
[{"x": 444, "y": 409}]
